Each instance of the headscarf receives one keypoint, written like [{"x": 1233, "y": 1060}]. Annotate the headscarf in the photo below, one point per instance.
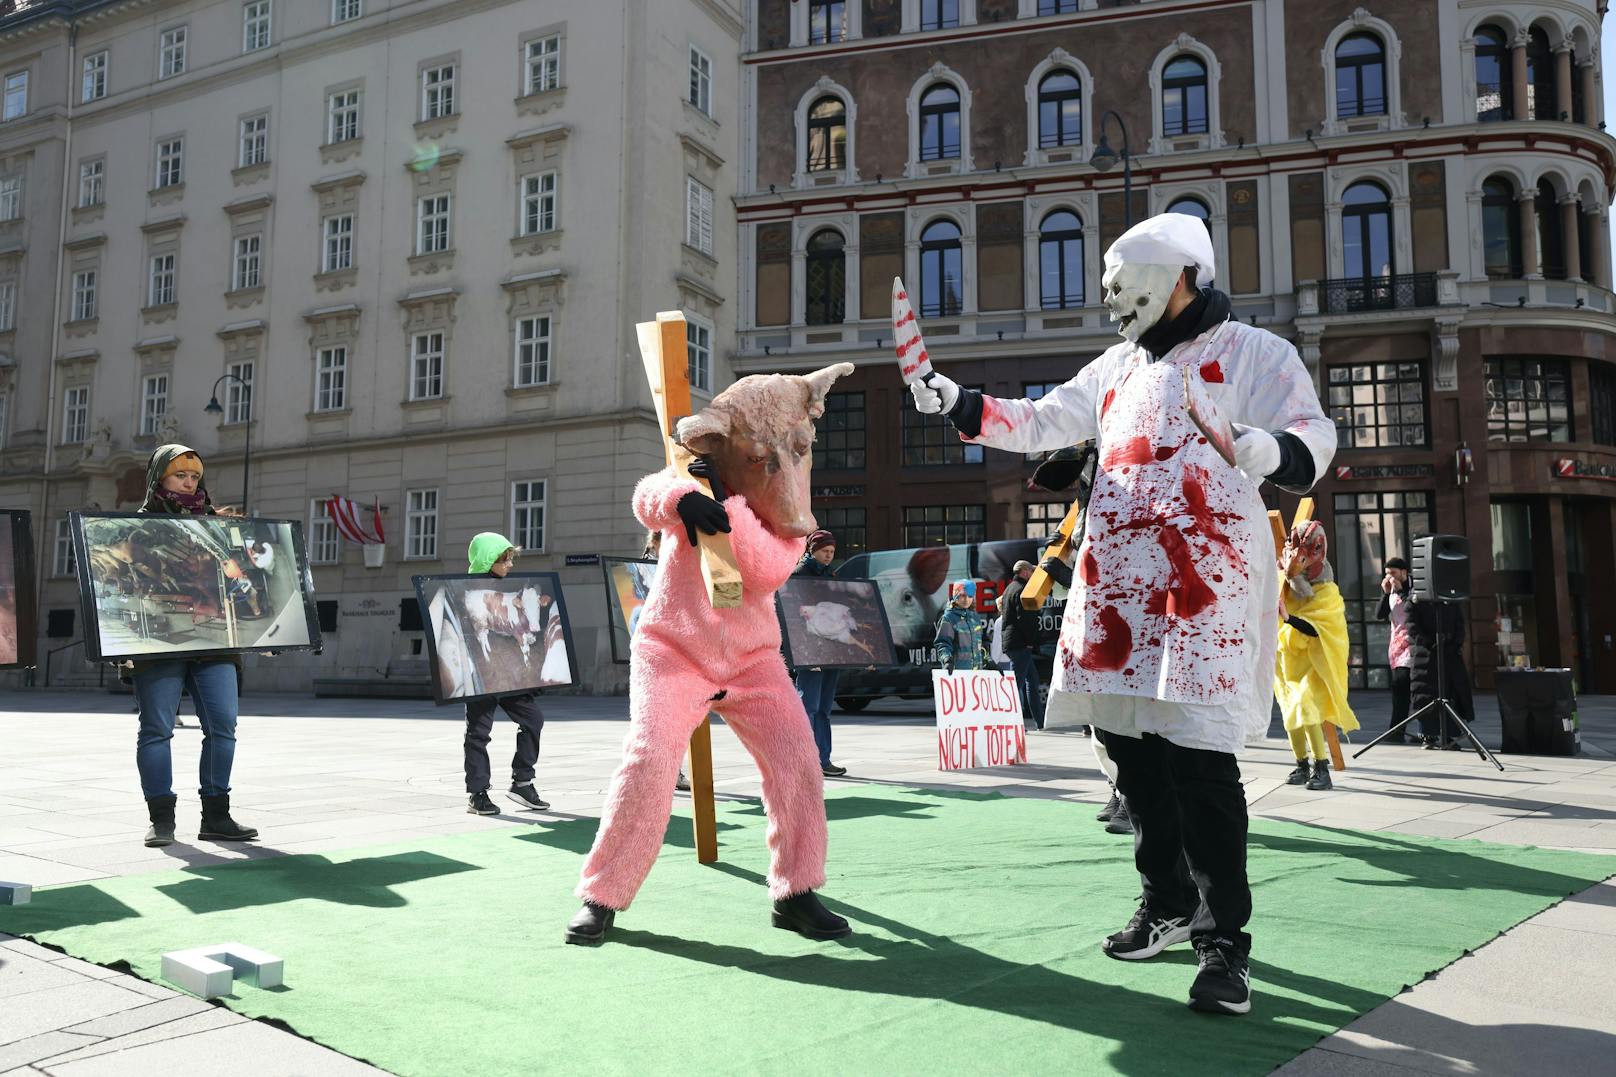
[
  {"x": 484, "y": 550},
  {"x": 165, "y": 460}
]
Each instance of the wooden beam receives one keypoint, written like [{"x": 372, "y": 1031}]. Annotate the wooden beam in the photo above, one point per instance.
[{"x": 1039, "y": 584}]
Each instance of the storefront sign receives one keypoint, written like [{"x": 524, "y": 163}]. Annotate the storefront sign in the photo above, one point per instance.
[
  {"x": 979, "y": 721},
  {"x": 583, "y": 559},
  {"x": 1384, "y": 471},
  {"x": 838, "y": 491},
  {"x": 1581, "y": 469}
]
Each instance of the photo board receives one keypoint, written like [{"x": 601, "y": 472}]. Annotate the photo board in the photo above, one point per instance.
[
  {"x": 833, "y": 624},
  {"x": 488, "y": 637},
  {"x": 19, "y": 595}
]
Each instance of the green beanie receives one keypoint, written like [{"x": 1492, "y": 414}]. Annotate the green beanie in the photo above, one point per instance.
[{"x": 484, "y": 550}]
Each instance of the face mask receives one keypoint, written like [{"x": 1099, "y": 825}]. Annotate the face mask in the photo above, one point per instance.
[{"x": 1137, "y": 295}]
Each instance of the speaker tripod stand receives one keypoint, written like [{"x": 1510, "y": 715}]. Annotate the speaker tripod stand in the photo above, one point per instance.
[{"x": 1443, "y": 708}]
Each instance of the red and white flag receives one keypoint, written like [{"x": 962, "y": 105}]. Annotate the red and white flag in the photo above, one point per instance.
[{"x": 346, "y": 513}]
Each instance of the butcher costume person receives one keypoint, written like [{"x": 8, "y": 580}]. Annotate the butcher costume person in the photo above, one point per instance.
[{"x": 1167, "y": 645}]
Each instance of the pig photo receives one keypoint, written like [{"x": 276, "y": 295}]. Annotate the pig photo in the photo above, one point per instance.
[
  {"x": 833, "y": 623},
  {"x": 493, "y": 637}
]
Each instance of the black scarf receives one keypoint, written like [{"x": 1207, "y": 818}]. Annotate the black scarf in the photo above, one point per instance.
[{"x": 1207, "y": 309}]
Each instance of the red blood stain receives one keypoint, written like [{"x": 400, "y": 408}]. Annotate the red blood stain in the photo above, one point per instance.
[
  {"x": 1115, "y": 643},
  {"x": 1207, "y": 521},
  {"x": 1128, "y": 672},
  {"x": 995, "y": 420},
  {"x": 1166, "y": 451},
  {"x": 1156, "y": 603},
  {"x": 903, "y": 295},
  {"x": 1211, "y": 371},
  {"x": 1090, "y": 567},
  {"x": 1106, "y": 401},
  {"x": 1135, "y": 450},
  {"x": 1188, "y": 594}
]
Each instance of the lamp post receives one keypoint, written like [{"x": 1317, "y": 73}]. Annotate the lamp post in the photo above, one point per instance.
[
  {"x": 213, "y": 408},
  {"x": 1104, "y": 159}
]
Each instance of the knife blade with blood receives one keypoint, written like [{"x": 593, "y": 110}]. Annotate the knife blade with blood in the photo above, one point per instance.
[
  {"x": 912, "y": 358},
  {"x": 1214, "y": 427}
]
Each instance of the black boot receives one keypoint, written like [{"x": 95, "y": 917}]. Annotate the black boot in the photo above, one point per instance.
[
  {"x": 217, "y": 824},
  {"x": 161, "y": 811},
  {"x": 588, "y": 928},
  {"x": 1300, "y": 775},
  {"x": 1321, "y": 775},
  {"x": 807, "y": 916}
]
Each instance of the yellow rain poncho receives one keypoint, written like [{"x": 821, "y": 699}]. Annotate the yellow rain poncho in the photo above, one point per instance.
[{"x": 1310, "y": 676}]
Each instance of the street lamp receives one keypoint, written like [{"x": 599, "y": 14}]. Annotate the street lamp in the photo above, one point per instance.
[
  {"x": 1104, "y": 159},
  {"x": 213, "y": 408}
]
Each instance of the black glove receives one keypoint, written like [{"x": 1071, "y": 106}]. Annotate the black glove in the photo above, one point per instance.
[
  {"x": 703, "y": 468},
  {"x": 1302, "y": 626},
  {"x": 698, "y": 511},
  {"x": 1057, "y": 570}
]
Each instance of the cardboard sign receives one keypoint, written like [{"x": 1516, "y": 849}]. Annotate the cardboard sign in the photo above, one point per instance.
[{"x": 979, "y": 720}]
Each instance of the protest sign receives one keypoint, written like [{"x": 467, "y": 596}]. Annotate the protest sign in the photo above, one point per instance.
[{"x": 979, "y": 721}]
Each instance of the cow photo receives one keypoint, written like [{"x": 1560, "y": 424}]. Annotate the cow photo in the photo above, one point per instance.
[
  {"x": 495, "y": 637},
  {"x": 829, "y": 624},
  {"x": 18, "y": 633}
]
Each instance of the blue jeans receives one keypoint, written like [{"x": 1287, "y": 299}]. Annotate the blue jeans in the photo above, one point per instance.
[
  {"x": 1022, "y": 661},
  {"x": 212, "y": 684},
  {"x": 817, "y": 687}
]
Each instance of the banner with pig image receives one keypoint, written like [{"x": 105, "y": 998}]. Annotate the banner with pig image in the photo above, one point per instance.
[
  {"x": 833, "y": 624},
  {"x": 488, "y": 637},
  {"x": 979, "y": 721}
]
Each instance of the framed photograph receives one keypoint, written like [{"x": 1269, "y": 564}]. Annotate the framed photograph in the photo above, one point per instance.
[
  {"x": 628, "y": 585},
  {"x": 488, "y": 637},
  {"x": 834, "y": 624},
  {"x": 19, "y": 606},
  {"x": 192, "y": 586}
]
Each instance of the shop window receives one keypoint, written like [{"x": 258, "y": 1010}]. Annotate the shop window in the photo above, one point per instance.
[
  {"x": 944, "y": 525},
  {"x": 1528, "y": 400},
  {"x": 1515, "y": 589},
  {"x": 839, "y": 433},
  {"x": 931, "y": 440},
  {"x": 1044, "y": 518},
  {"x": 1369, "y": 528},
  {"x": 1378, "y": 405}
]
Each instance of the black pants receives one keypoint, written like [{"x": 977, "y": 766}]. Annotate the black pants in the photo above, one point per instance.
[
  {"x": 1189, "y": 832},
  {"x": 522, "y": 710},
  {"x": 1399, "y": 696}
]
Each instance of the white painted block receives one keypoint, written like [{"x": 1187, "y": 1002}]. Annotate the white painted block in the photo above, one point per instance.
[
  {"x": 209, "y": 971},
  {"x": 15, "y": 893}
]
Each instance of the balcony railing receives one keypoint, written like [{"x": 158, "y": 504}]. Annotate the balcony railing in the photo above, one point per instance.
[{"x": 1348, "y": 295}]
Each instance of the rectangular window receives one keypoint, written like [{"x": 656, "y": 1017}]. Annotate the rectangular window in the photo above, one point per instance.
[
  {"x": 1057, "y": 7},
  {"x": 538, "y": 203},
  {"x": 10, "y": 198},
  {"x": 699, "y": 349},
  {"x": 95, "y": 77},
  {"x": 839, "y": 434},
  {"x": 848, "y": 525},
  {"x": 16, "y": 105},
  {"x": 84, "y": 295},
  {"x": 1602, "y": 402},
  {"x": 438, "y": 92},
  {"x": 698, "y": 216},
  {"x": 1528, "y": 400},
  {"x": 544, "y": 64},
  {"x": 1369, "y": 528},
  {"x": 527, "y": 515},
  {"x": 701, "y": 81},
  {"x": 92, "y": 183},
  {"x": 254, "y": 141},
  {"x": 338, "y": 244},
  {"x": 5, "y": 410},
  {"x": 170, "y": 163},
  {"x": 75, "y": 415},
  {"x": 930, "y": 440},
  {"x": 171, "y": 52},
  {"x": 939, "y": 14},
  {"x": 247, "y": 271},
  {"x": 943, "y": 525},
  {"x": 342, "y": 117},
  {"x": 1378, "y": 405},
  {"x": 827, "y": 21},
  {"x": 331, "y": 379},
  {"x": 432, "y": 224},
  {"x": 532, "y": 351},
  {"x": 238, "y": 392},
  {"x": 153, "y": 402},
  {"x": 346, "y": 10},
  {"x": 255, "y": 18},
  {"x": 426, "y": 366},
  {"x": 323, "y": 541},
  {"x": 63, "y": 563},
  {"x": 421, "y": 525},
  {"x": 8, "y": 305},
  {"x": 1044, "y": 518},
  {"x": 160, "y": 288}
]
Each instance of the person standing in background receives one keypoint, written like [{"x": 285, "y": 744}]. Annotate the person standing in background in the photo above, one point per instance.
[
  {"x": 961, "y": 633},
  {"x": 1018, "y": 629},
  {"x": 817, "y": 687},
  {"x": 1394, "y": 602}
]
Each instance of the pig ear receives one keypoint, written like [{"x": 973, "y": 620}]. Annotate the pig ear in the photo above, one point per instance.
[
  {"x": 703, "y": 432},
  {"x": 819, "y": 383}
]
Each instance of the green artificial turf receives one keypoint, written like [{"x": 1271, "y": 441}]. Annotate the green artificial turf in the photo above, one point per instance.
[{"x": 977, "y": 928}]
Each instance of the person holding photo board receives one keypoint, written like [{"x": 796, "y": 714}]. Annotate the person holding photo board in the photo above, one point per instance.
[{"x": 817, "y": 687}]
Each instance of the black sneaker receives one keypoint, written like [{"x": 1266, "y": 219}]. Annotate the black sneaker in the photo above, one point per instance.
[
  {"x": 1300, "y": 775},
  {"x": 1121, "y": 822},
  {"x": 831, "y": 770},
  {"x": 1224, "y": 983},
  {"x": 1321, "y": 775},
  {"x": 479, "y": 804},
  {"x": 1104, "y": 814},
  {"x": 805, "y": 914},
  {"x": 1146, "y": 936},
  {"x": 527, "y": 797},
  {"x": 589, "y": 927}
]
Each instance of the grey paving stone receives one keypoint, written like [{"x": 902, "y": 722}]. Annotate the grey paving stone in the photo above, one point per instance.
[
  {"x": 1593, "y": 910},
  {"x": 214, "y": 1018},
  {"x": 22, "y": 974},
  {"x": 34, "y": 1048},
  {"x": 273, "y": 1053},
  {"x": 38, "y": 1012},
  {"x": 150, "y": 1015},
  {"x": 1321, "y": 1063}
]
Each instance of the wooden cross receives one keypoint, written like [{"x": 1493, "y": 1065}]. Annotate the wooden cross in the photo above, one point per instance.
[
  {"x": 1276, "y": 524},
  {"x": 1036, "y": 592},
  {"x": 663, "y": 348}
]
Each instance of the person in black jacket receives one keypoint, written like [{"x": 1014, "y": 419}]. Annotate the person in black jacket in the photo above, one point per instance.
[
  {"x": 1018, "y": 633},
  {"x": 817, "y": 687},
  {"x": 1426, "y": 619}
]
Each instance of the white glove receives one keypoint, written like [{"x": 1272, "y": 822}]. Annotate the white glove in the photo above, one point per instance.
[
  {"x": 939, "y": 396},
  {"x": 1256, "y": 452}
]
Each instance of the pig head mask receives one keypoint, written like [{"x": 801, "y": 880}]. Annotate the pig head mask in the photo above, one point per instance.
[{"x": 759, "y": 434}]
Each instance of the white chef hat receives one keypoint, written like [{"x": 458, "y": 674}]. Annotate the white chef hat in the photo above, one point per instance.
[{"x": 1168, "y": 239}]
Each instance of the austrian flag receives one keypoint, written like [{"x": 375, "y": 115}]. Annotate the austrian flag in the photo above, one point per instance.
[{"x": 346, "y": 514}]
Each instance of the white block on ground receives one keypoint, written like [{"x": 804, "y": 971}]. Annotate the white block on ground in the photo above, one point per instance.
[
  {"x": 15, "y": 893},
  {"x": 209, "y": 971}
]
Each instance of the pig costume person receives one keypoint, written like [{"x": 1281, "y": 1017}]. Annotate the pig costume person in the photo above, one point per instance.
[
  {"x": 755, "y": 441},
  {"x": 1168, "y": 641}
]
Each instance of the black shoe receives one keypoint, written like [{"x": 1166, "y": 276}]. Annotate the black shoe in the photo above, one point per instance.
[
  {"x": 1321, "y": 775},
  {"x": 682, "y": 783},
  {"x": 217, "y": 824},
  {"x": 588, "y": 928},
  {"x": 1146, "y": 935},
  {"x": 1104, "y": 814},
  {"x": 479, "y": 804},
  {"x": 1428, "y": 743},
  {"x": 1224, "y": 983},
  {"x": 831, "y": 770},
  {"x": 1450, "y": 746},
  {"x": 525, "y": 795},
  {"x": 1300, "y": 775},
  {"x": 1121, "y": 822},
  {"x": 161, "y": 812},
  {"x": 808, "y": 917}
]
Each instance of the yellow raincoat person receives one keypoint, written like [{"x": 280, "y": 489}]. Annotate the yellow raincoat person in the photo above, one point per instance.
[{"x": 1310, "y": 675}]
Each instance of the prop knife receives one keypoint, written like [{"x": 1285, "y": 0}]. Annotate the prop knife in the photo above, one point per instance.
[
  {"x": 913, "y": 361},
  {"x": 1215, "y": 428}
]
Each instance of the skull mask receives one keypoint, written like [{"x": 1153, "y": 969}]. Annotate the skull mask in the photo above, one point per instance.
[{"x": 1137, "y": 295}]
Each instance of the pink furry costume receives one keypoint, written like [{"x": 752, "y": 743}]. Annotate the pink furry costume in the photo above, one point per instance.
[{"x": 689, "y": 658}]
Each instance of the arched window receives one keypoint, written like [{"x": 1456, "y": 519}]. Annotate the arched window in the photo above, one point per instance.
[
  {"x": 1500, "y": 228},
  {"x": 1060, "y": 260},
  {"x": 942, "y": 277},
  {"x": 1550, "y": 240},
  {"x": 1495, "y": 81},
  {"x": 826, "y": 278},
  {"x": 1194, "y": 207},
  {"x": 1060, "y": 109},
  {"x": 1183, "y": 101},
  {"x": 1540, "y": 90},
  {"x": 1366, "y": 231},
  {"x": 939, "y": 123},
  {"x": 827, "y": 135},
  {"x": 1360, "y": 76}
]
